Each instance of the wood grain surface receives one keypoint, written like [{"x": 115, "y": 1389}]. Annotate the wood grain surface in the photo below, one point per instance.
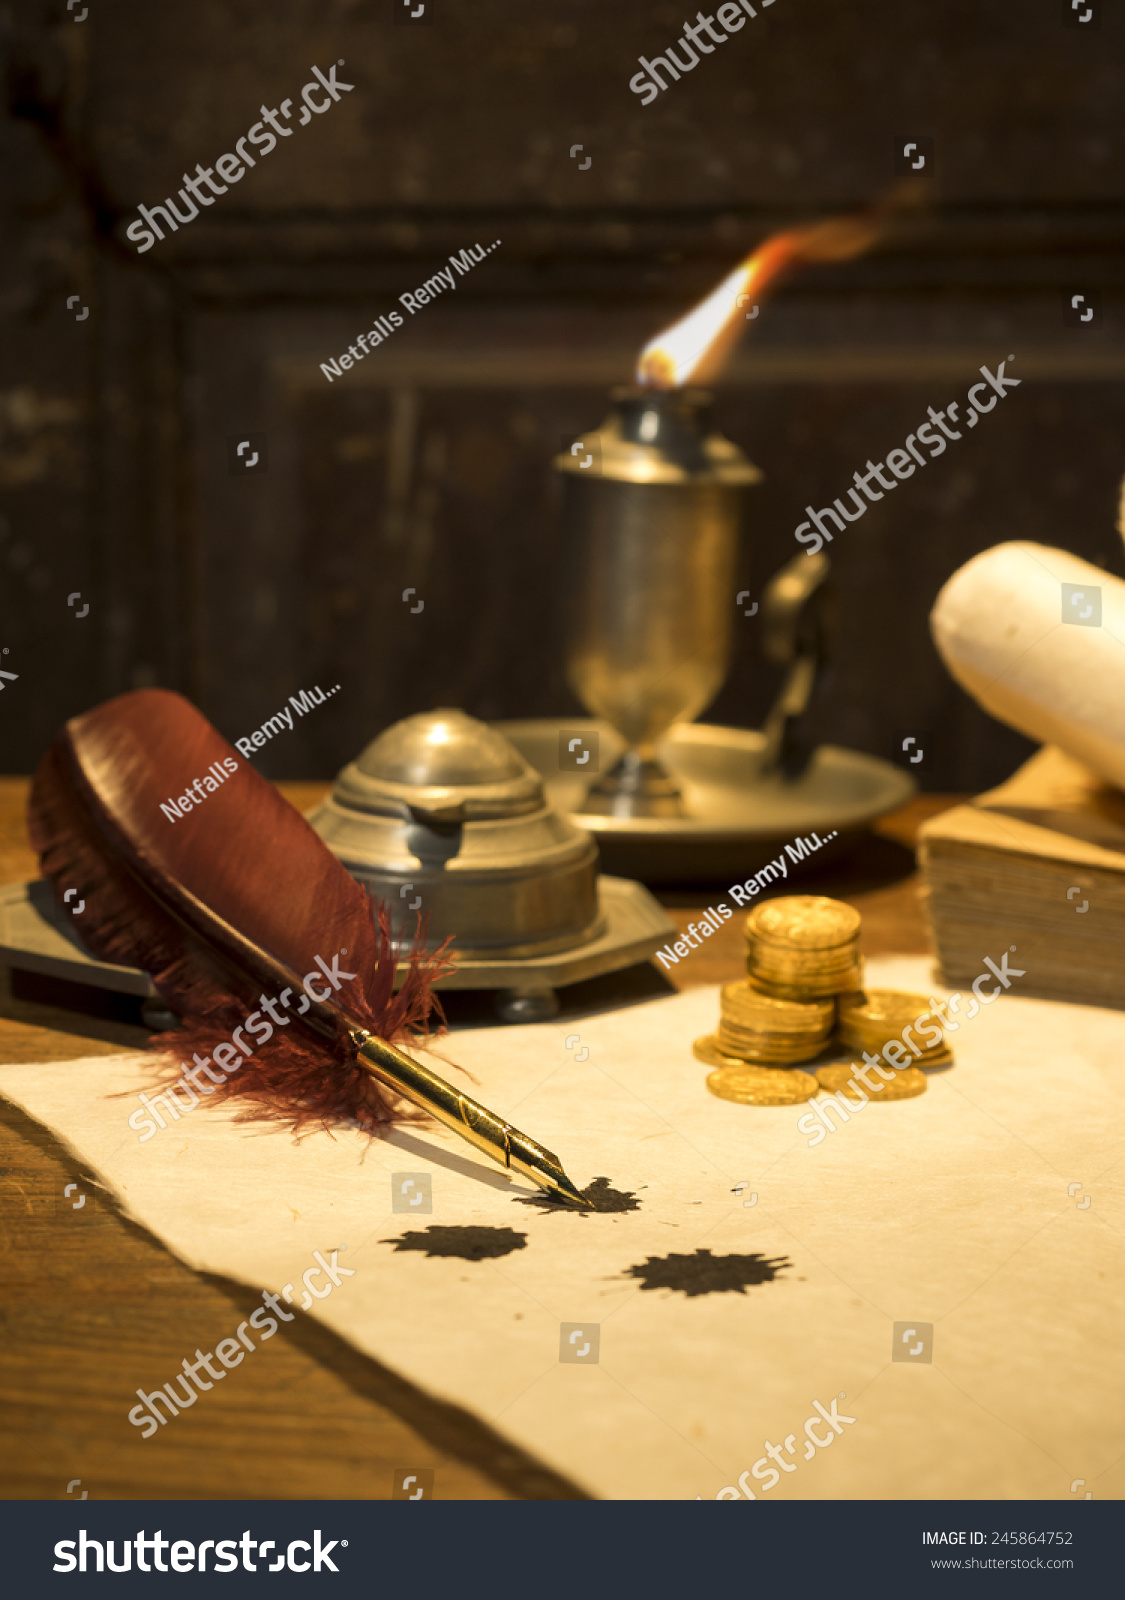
[{"x": 93, "y": 1307}]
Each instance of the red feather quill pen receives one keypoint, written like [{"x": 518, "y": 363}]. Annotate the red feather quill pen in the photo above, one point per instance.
[{"x": 194, "y": 868}]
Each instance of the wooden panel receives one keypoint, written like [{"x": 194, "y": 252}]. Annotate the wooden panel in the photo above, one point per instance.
[{"x": 113, "y": 431}]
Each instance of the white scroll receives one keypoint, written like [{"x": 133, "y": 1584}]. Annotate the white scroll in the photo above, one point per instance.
[{"x": 1037, "y": 636}]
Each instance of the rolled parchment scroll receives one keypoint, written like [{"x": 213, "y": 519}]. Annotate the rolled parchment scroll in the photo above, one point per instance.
[{"x": 1037, "y": 636}]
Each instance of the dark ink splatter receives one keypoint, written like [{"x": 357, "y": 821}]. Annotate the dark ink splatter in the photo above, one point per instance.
[
  {"x": 704, "y": 1273},
  {"x": 599, "y": 1196},
  {"x": 469, "y": 1244}
]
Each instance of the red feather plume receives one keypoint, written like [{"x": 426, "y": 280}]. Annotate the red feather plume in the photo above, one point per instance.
[{"x": 225, "y": 905}]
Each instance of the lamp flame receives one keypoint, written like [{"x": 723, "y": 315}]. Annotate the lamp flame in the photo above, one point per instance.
[{"x": 696, "y": 347}]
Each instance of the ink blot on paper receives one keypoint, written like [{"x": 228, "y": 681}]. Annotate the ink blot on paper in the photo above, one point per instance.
[
  {"x": 703, "y": 1273},
  {"x": 599, "y": 1195},
  {"x": 467, "y": 1244}
]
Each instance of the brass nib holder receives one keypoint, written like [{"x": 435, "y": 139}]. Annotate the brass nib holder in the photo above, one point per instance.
[{"x": 498, "y": 1140}]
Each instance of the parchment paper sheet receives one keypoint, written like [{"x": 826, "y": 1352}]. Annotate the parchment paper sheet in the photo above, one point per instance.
[{"x": 949, "y": 1209}]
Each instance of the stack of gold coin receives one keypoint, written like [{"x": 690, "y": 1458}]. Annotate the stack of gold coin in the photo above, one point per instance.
[
  {"x": 803, "y": 947},
  {"x": 757, "y": 1027},
  {"x": 885, "y": 1016}
]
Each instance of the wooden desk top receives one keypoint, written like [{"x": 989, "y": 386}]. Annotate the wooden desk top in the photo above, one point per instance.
[{"x": 93, "y": 1307}]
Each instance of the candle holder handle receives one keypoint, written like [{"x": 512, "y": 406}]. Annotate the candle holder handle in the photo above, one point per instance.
[{"x": 794, "y": 628}]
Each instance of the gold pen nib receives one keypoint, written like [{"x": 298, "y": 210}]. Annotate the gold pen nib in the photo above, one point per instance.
[
  {"x": 541, "y": 1165},
  {"x": 560, "y": 1187}
]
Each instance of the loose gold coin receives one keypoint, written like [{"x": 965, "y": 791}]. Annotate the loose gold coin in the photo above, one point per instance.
[
  {"x": 879, "y": 1007},
  {"x": 804, "y": 922},
  {"x": 762, "y": 1086},
  {"x": 882, "y": 1015},
  {"x": 905, "y": 1084}
]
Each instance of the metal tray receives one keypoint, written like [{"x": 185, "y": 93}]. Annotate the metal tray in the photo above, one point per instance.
[
  {"x": 738, "y": 820},
  {"x": 37, "y": 935}
]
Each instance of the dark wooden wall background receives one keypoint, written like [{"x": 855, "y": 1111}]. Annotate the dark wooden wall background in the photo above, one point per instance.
[{"x": 427, "y": 465}]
